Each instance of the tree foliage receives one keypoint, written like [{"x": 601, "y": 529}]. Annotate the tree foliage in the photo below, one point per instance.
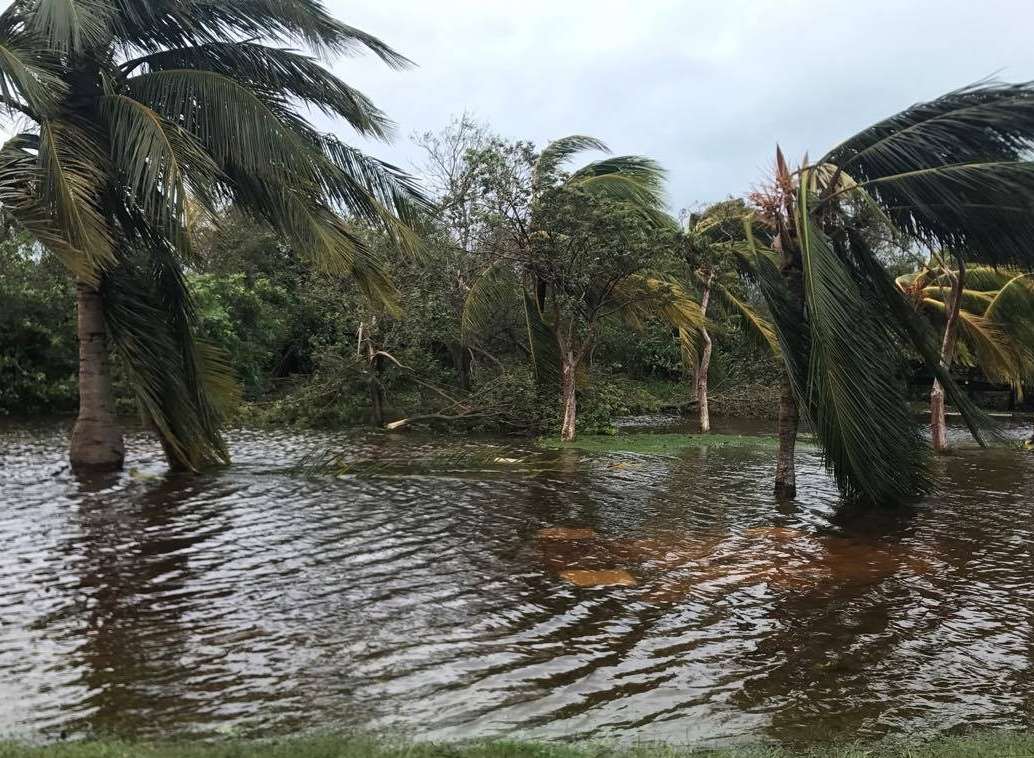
[{"x": 146, "y": 117}]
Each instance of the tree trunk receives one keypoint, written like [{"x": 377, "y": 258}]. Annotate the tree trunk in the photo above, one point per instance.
[
  {"x": 461, "y": 362},
  {"x": 377, "y": 402},
  {"x": 704, "y": 366},
  {"x": 568, "y": 401},
  {"x": 703, "y": 409},
  {"x": 938, "y": 418},
  {"x": 96, "y": 439},
  {"x": 786, "y": 470},
  {"x": 792, "y": 270}
]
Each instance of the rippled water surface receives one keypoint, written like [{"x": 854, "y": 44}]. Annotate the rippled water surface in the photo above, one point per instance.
[{"x": 451, "y": 588}]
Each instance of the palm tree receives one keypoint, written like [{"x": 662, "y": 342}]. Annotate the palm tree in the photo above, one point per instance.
[
  {"x": 544, "y": 285},
  {"x": 719, "y": 259},
  {"x": 986, "y": 318},
  {"x": 951, "y": 173},
  {"x": 140, "y": 117}
]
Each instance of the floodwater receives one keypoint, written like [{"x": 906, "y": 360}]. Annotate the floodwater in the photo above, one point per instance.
[{"x": 450, "y": 588}]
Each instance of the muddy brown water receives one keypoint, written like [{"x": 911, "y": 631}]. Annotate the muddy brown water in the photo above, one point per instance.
[{"x": 450, "y": 588}]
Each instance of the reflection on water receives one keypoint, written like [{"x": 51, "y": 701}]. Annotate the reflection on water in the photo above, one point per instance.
[{"x": 548, "y": 594}]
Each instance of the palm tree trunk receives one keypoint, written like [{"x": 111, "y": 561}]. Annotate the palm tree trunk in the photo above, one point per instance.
[
  {"x": 96, "y": 439},
  {"x": 703, "y": 410},
  {"x": 789, "y": 421},
  {"x": 568, "y": 401},
  {"x": 938, "y": 418},
  {"x": 789, "y": 416}
]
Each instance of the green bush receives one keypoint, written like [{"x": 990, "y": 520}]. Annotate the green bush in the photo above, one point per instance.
[{"x": 38, "y": 352}]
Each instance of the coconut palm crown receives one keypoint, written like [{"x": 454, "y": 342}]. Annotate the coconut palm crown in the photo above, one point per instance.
[
  {"x": 953, "y": 173},
  {"x": 137, "y": 118},
  {"x": 995, "y": 318}
]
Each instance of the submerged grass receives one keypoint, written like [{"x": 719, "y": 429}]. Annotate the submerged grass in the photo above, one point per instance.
[
  {"x": 663, "y": 443},
  {"x": 997, "y": 745}
]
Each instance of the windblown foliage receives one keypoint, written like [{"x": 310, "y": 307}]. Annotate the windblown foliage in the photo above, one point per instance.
[
  {"x": 543, "y": 274},
  {"x": 148, "y": 115},
  {"x": 952, "y": 173},
  {"x": 995, "y": 319}
]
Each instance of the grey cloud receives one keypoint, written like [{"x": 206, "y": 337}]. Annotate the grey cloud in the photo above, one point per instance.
[{"x": 708, "y": 89}]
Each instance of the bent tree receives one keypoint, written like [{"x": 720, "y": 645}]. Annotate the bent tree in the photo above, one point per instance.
[
  {"x": 953, "y": 173},
  {"x": 986, "y": 318},
  {"x": 718, "y": 256},
  {"x": 585, "y": 248},
  {"x": 139, "y": 117}
]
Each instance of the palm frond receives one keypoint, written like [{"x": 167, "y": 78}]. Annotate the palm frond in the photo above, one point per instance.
[
  {"x": 72, "y": 174},
  {"x": 237, "y": 125},
  {"x": 375, "y": 191},
  {"x": 790, "y": 327},
  {"x": 993, "y": 351},
  {"x": 973, "y": 301},
  {"x": 857, "y": 400},
  {"x": 28, "y": 80},
  {"x": 494, "y": 291},
  {"x": 317, "y": 233},
  {"x": 1012, "y": 311},
  {"x": 644, "y": 297},
  {"x": 901, "y": 313},
  {"x": 273, "y": 69},
  {"x": 757, "y": 328},
  {"x": 183, "y": 386},
  {"x": 690, "y": 348},
  {"x": 557, "y": 152},
  {"x": 305, "y": 22},
  {"x": 21, "y": 203},
  {"x": 162, "y": 165},
  {"x": 954, "y": 171},
  {"x": 628, "y": 179},
  {"x": 70, "y": 25},
  {"x": 542, "y": 344}
]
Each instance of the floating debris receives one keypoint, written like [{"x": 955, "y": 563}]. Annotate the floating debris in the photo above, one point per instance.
[
  {"x": 604, "y": 578},
  {"x": 566, "y": 533},
  {"x": 665, "y": 553}
]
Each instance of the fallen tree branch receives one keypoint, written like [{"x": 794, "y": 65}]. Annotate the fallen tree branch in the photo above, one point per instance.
[{"x": 433, "y": 417}]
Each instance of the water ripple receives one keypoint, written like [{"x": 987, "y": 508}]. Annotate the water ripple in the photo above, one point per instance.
[{"x": 465, "y": 586}]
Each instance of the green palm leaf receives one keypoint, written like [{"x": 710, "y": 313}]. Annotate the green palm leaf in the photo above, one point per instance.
[
  {"x": 275, "y": 70},
  {"x": 493, "y": 292},
  {"x": 70, "y": 25},
  {"x": 557, "y": 152},
  {"x": 758, "y": 329},
  {"x": 955, "y": 170},
  {"x": 855, "y": 395},
  {"x": 183, "y": 387},
  {"x": 161, "y": 164},
  {"x": 630, "y": 179},
  {"x": 28, "y": 82},
  {"x": 72, "y": 172},
  {"x": 640, "y": 298},
  {"x": 236, "y": 125}
]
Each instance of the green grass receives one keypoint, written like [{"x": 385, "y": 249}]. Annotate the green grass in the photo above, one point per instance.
[
  {"x": 662, "y": 443},
  {"x": 999, "y": 745}
]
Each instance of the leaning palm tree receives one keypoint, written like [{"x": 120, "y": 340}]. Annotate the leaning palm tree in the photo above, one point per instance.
[
  {"x": 138, "y": 117},
  {"x": 719, "y": 259},
  {"x": 952, "y": 173},
  {"x": 565, "y": 292},
  {"x": 986, "y": 318}
]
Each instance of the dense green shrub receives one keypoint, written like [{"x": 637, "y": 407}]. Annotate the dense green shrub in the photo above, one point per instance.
[{"x": 38, "y": 355}]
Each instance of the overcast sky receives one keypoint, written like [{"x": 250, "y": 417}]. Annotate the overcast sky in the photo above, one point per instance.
[{"x": 708, "y": 89}]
